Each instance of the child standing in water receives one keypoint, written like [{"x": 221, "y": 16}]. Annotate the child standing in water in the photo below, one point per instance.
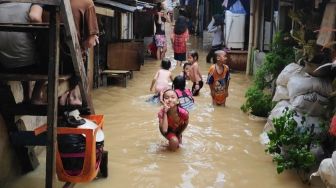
[
  {"x": 172, "y": 119},
  {"x": 184, "y": 95},
  {"x": 179, "y": 39},
  {"x": 186, "y": 71},
  {"x": 162, "y": 78},
  {"x": 219, "y": 79},
  {"x": 195, "y": 74}
]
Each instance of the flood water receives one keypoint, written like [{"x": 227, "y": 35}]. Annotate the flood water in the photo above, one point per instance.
[{"x": 220, "y": 147}]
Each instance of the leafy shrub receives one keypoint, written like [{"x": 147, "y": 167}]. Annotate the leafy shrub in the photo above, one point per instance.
[
  {"x": 257, "y": 102},
  {"x": 290, "y": 145}
]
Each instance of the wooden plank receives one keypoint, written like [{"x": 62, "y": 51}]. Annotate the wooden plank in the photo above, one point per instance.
[
  {"x": 130, "y": 56},
  {"x": 18, "y": 27},
  {"x": 116, "y": 72},
  {"x": 29, "y": 77},
  {"x": 44, "y": 2},
  {"x": 27, "y": 158},
  {"x": 25, "y": 109},
  {"x": 326, "y": 35},
  {"x": 54, "y": 37},
  {"x": 104, "y": 11},
  {"x": 76, "y": 55}
]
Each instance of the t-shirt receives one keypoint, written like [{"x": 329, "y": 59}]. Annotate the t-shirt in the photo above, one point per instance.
[
  {"x": 17, "y": 49},
  {"x": 180, "y": 42},
  {"x": 85, "y": 18},
  {"x": 219, "y": 82},
  {"x": 159, "y": 27},
  {"x": 185, "y": 98},
  {"x": 183, "y": 114}
]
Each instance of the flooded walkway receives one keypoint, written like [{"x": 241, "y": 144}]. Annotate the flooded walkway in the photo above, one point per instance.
[{"x": 220, "y": 146}]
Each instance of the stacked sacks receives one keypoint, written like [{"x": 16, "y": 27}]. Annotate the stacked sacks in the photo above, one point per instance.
[
  {"x": 307, "y": 95},
  {"x": 327, "y": 171}
]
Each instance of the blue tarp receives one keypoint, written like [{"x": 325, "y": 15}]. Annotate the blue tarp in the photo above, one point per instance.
[
  {"x": 245, "y": 3},
  {"x": 237, "y": 8}
]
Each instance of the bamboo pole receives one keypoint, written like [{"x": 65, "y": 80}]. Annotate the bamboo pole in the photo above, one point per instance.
[{"x": 251, "y": 36}]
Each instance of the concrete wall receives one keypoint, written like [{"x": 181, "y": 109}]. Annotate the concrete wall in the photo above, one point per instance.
[{"x": 9, "y": 164}]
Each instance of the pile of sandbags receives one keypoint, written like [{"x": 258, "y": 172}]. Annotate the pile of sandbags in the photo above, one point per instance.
[
  {"x": 327, "y": 171},
  {"x": 301, "y": 92}
]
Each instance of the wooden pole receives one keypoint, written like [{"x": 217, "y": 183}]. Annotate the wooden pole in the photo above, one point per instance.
[
  {"x": 251, "y": 36},
  {"x": 52, "y": 97}
]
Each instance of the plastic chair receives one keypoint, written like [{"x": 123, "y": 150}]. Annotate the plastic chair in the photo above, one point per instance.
[{"x": 90, "y": 166}]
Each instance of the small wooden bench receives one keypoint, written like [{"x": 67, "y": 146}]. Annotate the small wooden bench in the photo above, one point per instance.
[{"x": 121, "y": 74}]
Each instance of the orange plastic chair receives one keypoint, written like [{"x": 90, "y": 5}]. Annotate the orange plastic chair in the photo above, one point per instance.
[{"x": 89, "y": 170}]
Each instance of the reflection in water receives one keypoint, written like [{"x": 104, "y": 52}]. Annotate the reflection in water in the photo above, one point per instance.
[{"x": 220, "y": 146}]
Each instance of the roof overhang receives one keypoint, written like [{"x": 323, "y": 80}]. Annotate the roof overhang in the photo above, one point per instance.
[
  {"x": 115, "y": 5},
  {"x": 119, "y": 6}
]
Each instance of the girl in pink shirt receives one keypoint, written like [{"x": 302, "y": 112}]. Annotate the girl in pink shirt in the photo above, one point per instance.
[{"x": 172, "y": 119}]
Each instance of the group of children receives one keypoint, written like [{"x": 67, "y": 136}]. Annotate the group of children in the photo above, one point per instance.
[{"x": 177, "y": 99}]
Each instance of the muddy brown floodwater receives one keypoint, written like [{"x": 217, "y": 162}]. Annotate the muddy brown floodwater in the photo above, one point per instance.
[{"x": 220, "y": 148}]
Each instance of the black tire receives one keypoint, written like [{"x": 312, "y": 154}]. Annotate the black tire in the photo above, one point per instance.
[{"x": 103, "y": 165}]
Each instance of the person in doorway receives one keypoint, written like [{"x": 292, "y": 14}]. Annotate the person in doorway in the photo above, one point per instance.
[
  {"x": 219, "y": 79},
  {"x": 179, "y": 39},
  {"x": 84, "y": 15},
  {"x": 161, "y": 79},
  {"x": 184, "y": 95},
  {"x": 18, "y": 53},
  {"x": 160, "y": 19},
  {"x": 216, "y": 27},
  {"x": 195, "y": 74},
  {"x": 173, "y": 119}
]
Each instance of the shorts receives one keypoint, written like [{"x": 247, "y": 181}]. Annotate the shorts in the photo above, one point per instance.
[
  {"x": 160, "y": 40},
  {"x": 180, "y": 56},
  {"x": 169, "y": 135},
  {"x": 194, "y": 91}
]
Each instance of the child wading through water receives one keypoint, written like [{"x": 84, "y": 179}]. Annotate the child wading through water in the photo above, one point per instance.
[
  {"x": 172, "y": 119},
  {"x": 195, "y": 74},
  {"x": 161, "y": 79},
  {"x": 219, "y": 79},
  {"x": 186, "y": 71},
  {"x": 184, "y": 95},
  {"x": 179, "y": 40}
]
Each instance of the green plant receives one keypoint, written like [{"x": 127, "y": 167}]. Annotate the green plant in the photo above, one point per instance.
[
  {"x": 257, "y": 102},
  {"x": 303, "y": 32},
  {"x": 281, "y": 55},
  {"x": 290, "y": 144}
]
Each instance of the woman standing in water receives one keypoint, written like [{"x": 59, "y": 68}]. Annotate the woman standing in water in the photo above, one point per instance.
[
  {"x": 173, "y": 119},
  {"x": 160, "y": 19}
]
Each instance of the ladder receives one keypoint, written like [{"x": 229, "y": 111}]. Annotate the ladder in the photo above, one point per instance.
[{"x": 8, "y": 106}]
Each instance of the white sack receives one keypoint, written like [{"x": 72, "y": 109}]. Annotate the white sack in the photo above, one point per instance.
[
  {"x": 327, "y": 171},
  {"x": 303, "y": 84},
  {"x": 281, "y": 93},
  {"x": 287, "y": 73},
  {"x": 312, "y": 104}
]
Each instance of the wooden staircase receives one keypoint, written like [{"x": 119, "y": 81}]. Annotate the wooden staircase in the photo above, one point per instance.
[{"x": 8, "y": 106}]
